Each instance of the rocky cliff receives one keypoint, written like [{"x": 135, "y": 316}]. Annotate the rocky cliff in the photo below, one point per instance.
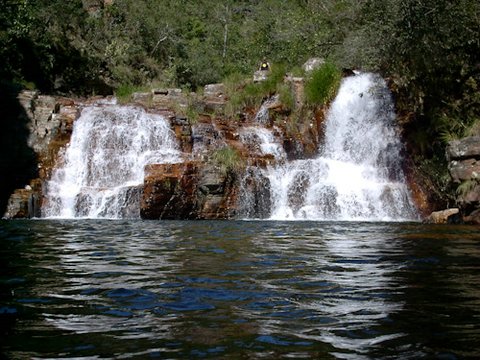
[
  {"x": 206, "y": 184},
  {"x": 50, "y": 121},
  {"x": 214, "y": 179}
]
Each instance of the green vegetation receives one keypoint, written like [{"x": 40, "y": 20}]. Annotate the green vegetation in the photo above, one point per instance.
[
  {"x": 227, "y": 159},
  {"x": 250, "y": 94},
  {"x": 322, "y": 85},
  {"x": 124, "y": 92},
  {"x": 466, "y": 187},
  {"x": 428, "y": 49}
]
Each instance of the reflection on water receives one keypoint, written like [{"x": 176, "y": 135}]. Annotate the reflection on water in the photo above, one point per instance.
[{"x": 225, "y": 289}]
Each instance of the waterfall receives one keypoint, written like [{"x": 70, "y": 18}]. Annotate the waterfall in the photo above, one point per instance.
[
  {"x": 262, "y": 141},
  {"x": 358, "y": 173},
  {"x": 103, "y": 167},
  {"x": 262, "y": 116}
]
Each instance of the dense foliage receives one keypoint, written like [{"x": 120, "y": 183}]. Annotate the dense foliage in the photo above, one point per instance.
[{"x": 428, "y": 48}]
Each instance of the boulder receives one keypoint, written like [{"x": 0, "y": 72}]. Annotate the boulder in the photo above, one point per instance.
[
  {"x": 312, "y": 64},
  {"x": 473, "y": 218},
  {"x": 25, "y": 203},
  {"x": 465, "y": 148},
  {"x": 470, "y": 196},
  {"x": 142, "y": 98},
  {"x": 468, "y": 169},
  {"x": 443, "y": 217},
  {"x": 260, "y": 75},
  {"x": 168, "y": 98},
  {"x": 214, "y": 90}
]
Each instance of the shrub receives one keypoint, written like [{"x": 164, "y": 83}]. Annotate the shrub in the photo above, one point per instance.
[
  {"x": 227, "y": 159},
  {"x": 124, "y": 92},
  {"x": 466, "y": 187},
  {"x": 322, "y": 85}
]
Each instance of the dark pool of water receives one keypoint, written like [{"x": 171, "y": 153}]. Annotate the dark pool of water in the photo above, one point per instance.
[{"x": 238, "y": 289}]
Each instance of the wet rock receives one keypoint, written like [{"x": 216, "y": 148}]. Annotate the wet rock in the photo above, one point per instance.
[
  {"x": 186, "y": 190},
  {"x": 465, "y": 148},
  {"x": 169, "y": 191},
  {"x": 461, "y": 170},
  {"x": 443, "y": 216},
  {"x": 25, "y": 203},
  {"x": 473, "y": 218},
  {"x": 205, "y": 136},
  {"x": 254, "y": 199},
  {"x": 50, "y": 123}
]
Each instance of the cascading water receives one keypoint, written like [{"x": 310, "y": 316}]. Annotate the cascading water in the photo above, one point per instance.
[
  {"x": 104, "y": 162},
  {"x": 262, "y": 116},
  {"x": 262, "y": 141},
  {"x": 358, "y": 174}
]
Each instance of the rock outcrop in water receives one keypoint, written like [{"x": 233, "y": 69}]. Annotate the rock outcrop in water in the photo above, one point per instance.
[{"x": 199, "y": 187}]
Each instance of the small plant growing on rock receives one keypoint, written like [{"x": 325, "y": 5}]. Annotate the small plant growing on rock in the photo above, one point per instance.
[
  {"x": 466, "y": 187},
  {"x": 227, "y": 159}
]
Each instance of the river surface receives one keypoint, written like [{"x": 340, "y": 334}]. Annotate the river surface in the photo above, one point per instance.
[{"x": 98, "y": 289}]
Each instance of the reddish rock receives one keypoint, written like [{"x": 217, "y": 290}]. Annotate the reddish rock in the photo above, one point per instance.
[
  {"x": 169, "y": 191},
  {"x": 188, "y": 190},
  {"x": 473, "y": 218}
]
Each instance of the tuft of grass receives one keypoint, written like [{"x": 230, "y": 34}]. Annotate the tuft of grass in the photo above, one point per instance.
[
  {"x": 124, "y": 92},
  {"x": 251, "y": 94},
  {"x": 227, "y": 159},
  {"x": 465, "y": 187},
  {"x": 322, "y": 85},
  {"x": 286, "y": 95}
]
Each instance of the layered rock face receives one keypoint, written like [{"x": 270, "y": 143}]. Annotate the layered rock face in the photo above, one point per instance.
[
  {"x": 202, "y": 187},
  {"x": 199, "y": 187},
  {"x": 50, "y": 126},
  {"x": 187, "y": 191},
  {"x": 464, "y": 168}
]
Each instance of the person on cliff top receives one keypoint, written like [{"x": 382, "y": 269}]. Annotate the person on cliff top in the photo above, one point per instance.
[{"x": 265, "y": 66}]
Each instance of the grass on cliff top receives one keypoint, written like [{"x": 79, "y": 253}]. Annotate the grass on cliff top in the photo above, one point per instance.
[
  {"x": 124, "y": 92},
  {"x": 322, "y": 84},
  {"x": 244, "y": 93}
]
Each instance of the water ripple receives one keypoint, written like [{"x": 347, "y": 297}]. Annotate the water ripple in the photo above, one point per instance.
[{"x": 106, "y": 289}]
